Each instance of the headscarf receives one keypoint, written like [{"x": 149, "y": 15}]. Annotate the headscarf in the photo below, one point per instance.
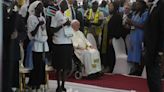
[{"x": 32, "y": 7}]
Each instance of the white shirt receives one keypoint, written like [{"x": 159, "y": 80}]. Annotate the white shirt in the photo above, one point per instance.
[
  {"x": 60, "y": 36},
  {"x": 40, "y": 38}
]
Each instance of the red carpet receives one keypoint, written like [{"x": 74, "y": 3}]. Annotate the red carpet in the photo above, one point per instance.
[{"x": 115, "y": 81}]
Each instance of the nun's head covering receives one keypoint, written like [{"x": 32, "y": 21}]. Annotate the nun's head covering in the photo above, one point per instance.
[{"x": 32, "y": 7}]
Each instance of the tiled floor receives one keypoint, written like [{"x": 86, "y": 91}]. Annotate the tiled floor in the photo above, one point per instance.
[{"x": 76, "y": 87}]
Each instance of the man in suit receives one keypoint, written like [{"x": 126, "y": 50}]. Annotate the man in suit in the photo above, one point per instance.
[
  {"x": 154, "y": 45},
  {"x": 73, "y": 13}
]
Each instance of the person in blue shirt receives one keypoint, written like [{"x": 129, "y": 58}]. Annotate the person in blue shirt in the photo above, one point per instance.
[{"x": 136, "y": 36}]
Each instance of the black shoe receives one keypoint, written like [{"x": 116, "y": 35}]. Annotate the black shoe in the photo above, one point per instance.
[
  {"x": 136, "y": 73},
  {"x": 64, "y": 89},
  {"x": 58, "y": 89},
  {"x": 101, "y": 74},
  {"x": 132, "y": 73}
]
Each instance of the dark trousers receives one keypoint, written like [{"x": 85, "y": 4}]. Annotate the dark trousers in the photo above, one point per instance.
[
  {"x": 14, "y": 56},
  {"x": 111, "y": 58},
  {"x": 37, "y": 75},
  {"x": 10, "y": 75},
  {"x": 153, "y": 72},
  {"x": 10, "y": 68},
  {"x": 104, "y": 61}
]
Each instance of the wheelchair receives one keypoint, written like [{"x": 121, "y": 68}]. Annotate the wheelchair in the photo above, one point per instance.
[{"x": 78, "y": 70}]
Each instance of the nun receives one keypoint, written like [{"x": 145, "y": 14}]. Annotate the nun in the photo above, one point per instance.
[
  {"x": 62, "y": 48},
  {"x": 36, "y": 26}
]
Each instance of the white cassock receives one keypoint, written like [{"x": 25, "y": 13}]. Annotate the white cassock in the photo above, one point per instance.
[{"x": 88, "y": 56}]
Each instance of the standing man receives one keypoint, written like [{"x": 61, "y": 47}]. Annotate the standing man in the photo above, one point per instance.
[
  {"x": 73, "y": 13},
  {"x": 70, "y": 12},
  {"x": 84, "y": 8},
  {"x": 94, "y": 18},
  {"x": 154, "y": 44}
]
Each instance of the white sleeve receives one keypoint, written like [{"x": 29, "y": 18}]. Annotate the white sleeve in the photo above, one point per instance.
[
  {"x": 31, "y": 25},
  {"x": 23, "y": 11}
]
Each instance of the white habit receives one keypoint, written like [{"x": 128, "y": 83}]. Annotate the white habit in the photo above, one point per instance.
[{"x": 88, "y": 56}]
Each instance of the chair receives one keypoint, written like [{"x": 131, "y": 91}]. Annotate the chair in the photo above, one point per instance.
[
  {"x": 48, "y": 69},
  {"x": 92, "y": 40},
  {"x": 22, "y": 70},
  {"x": 121, "y": 65}
]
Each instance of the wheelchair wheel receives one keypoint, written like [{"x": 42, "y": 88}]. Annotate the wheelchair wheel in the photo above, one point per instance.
[{"x": 78, "y": 75}]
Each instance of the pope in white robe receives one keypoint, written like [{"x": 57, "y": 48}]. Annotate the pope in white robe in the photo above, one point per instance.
[{"x": 85, "y": 52}]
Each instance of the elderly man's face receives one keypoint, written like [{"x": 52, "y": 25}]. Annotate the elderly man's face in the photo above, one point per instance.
[{"x": 76, "y": 25}]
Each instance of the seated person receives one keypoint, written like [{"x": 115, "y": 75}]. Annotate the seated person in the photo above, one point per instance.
[{"x": 85, "y": 52}]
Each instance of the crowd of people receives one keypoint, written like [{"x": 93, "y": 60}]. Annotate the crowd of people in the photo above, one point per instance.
[{"x": 53, "y": 32}]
